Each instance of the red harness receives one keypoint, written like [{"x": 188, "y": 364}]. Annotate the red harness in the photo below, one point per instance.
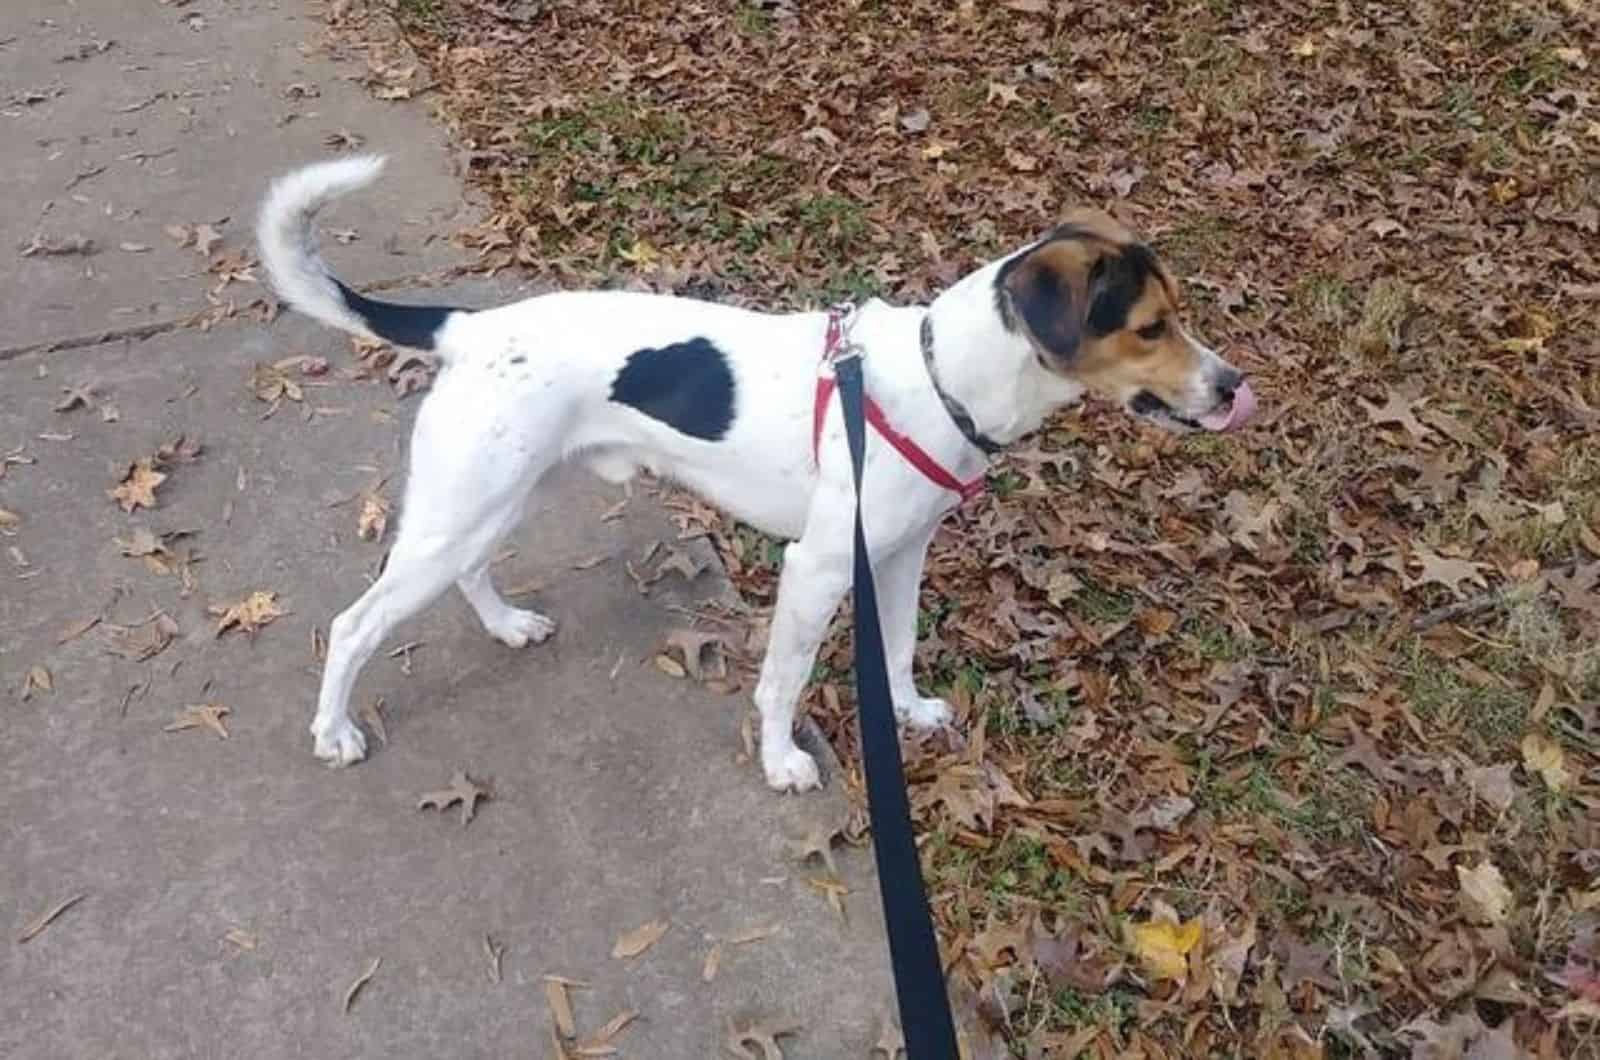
[{"x": 915, "y": 455}]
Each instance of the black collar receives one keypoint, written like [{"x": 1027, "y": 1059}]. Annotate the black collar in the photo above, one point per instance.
[{"x": 958, "y": 412}]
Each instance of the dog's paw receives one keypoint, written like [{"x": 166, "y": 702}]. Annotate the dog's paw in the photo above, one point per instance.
[
  {"x": 340, "y": 743},
  {"x": 923, "y": 713},
  {"x": 793, "y": 770},
  {"x": 517, "y": 627}
]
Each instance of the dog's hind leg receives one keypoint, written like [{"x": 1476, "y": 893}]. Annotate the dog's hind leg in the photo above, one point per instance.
[
  {"x": 512, "y": 626},
  {"x": 468, "y": 482}
]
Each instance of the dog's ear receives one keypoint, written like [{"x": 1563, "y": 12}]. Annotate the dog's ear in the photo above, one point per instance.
[{"x": 1050, "y": 289}]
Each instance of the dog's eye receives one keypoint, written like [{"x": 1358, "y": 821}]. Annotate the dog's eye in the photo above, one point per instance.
[{"x": 1152, "y": 331}]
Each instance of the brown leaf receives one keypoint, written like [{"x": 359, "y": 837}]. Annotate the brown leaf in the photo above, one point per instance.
[
  {"x": 371, "y": 714},
  {"x": 147, "y": 639},
  {"x": 38, "y": 679},
  {"x": 9, "y": 520},
  {"x": 43, "y": 920},
  {"x": 1493, "y": 785},
  {"x": 555, "y": 998},
  {"x": 1444, "y": 570},
  {"x": 816, "y": 842},
  {"x": 248, "y": 615},
  {"x": 201, "y": 716},
  {"x": 697, "y": 648},
  {"x": 746, "y": 1036},
  {"x": 599, "y": 1043},
  {"x": 461, "y": 790},
  {"x": 361, "y": 980},
  {"x": 633, "y": 943},
  {"x": 374, "y": 517},
  {"x": 137, "y": 487}
]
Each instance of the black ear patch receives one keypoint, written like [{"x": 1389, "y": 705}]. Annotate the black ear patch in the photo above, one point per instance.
[
  {"x": 1115, "y": 285},
  {"x": 688, "y": 386},
  {"x": 1045, "y": 298}
]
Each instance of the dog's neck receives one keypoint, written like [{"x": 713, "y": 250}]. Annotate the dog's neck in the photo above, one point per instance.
[{"x": 992, "y": 373}]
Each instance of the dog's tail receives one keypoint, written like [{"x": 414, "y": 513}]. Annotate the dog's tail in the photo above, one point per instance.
[{"x": 304, "y": 280}]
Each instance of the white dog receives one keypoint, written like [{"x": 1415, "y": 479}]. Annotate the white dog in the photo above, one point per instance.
[{"x": 726, "y": 402}]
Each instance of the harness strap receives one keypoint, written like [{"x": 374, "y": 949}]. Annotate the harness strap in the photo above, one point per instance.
[{"x": 914, "y": 454}]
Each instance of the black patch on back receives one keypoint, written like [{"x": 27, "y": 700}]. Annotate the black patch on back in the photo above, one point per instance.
[
  {"x": 1116, "y": 285},
  {"x": 687, "y": 385},
  {"x": 416, "y": 326}
]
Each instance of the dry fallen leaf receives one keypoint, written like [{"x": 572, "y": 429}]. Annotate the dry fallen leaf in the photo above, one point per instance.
[
  {"x": 248, "y": 615},
  {"x": 144, "y": 640},
  {"x": 555, "y": 996},
  {"x": 38, "y": 679},
  {"x": 43, "y": 920},
  {"x": 1163, "y": 946},
  {"x": 492, "y": 952},
  {"x": 77, "y": 629},
  {"x": 244, "y": 940},
  {"x": 361, "y": 980},
  {"x": 371, "y": 714},
  {"x": 891, "y": 1043},
  {"x": 713, "y": 962},
  {"x": 9, "y": 520},
  {"x": 1485, "y": 898},
  {"x": 633, "y": 943},
  {"x": 1542, "y": 755},
  {"x": 137, "y": 487},
  {"x": 760, "y": 1034},
  {"x": 374, "y": 517},
  {"x": 201, "y": 716},
  {"x": 461, "y": 790},
  {"x": 599, "y": 1043}
]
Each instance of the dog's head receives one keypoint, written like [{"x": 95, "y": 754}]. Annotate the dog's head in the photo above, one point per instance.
[{"x": 1100, "y": 310}]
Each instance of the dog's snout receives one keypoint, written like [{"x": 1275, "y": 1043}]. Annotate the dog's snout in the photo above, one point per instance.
[{"x": 1227, "y": 383}]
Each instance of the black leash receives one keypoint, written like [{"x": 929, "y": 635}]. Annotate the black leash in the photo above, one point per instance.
[{"x": 913, "y": 950}]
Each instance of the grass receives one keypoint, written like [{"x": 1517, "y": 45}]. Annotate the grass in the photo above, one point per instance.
[
  {"x": 1376, "y": 335},
  {"x": 1487, "y": 713}
]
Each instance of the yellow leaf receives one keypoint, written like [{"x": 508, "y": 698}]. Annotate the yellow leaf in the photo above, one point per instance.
[
  {"x": 1306, "y": 48},
  {"x": 1485, "y": 897},
  {"x": 1544, "y": 756},
  {"x": 1163, "y": 946}
]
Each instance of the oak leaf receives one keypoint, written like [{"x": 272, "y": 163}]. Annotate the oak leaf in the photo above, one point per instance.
[
  {"x": 201, "y": 716},
  {"x": 461, "y": 790},
  {"x": 248, "y": 615}
]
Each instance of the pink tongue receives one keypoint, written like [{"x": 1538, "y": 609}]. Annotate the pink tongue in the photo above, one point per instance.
[{"x": 1243, "y": 407}]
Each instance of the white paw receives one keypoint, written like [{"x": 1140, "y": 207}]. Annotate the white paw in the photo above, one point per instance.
[
  {"x": 517, "y": 627},
  {"x": 340, "y": 743},
  {"x": 791, "y": 770},
  {"x": 923, "y": 713}
]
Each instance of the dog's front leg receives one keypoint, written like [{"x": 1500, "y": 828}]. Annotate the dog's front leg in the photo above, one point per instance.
[
  {"x": 815, "y": 577},
  {"x": 899, "y": 579}
]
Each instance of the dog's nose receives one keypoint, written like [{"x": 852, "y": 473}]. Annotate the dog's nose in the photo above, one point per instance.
[{"x": 1227, "y": 383}]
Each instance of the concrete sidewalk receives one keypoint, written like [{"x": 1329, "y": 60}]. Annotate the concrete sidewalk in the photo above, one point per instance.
[{"x": 235, "y": 889}]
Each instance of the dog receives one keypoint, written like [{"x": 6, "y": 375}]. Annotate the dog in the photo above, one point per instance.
[{"x": 725, "y": 401}]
